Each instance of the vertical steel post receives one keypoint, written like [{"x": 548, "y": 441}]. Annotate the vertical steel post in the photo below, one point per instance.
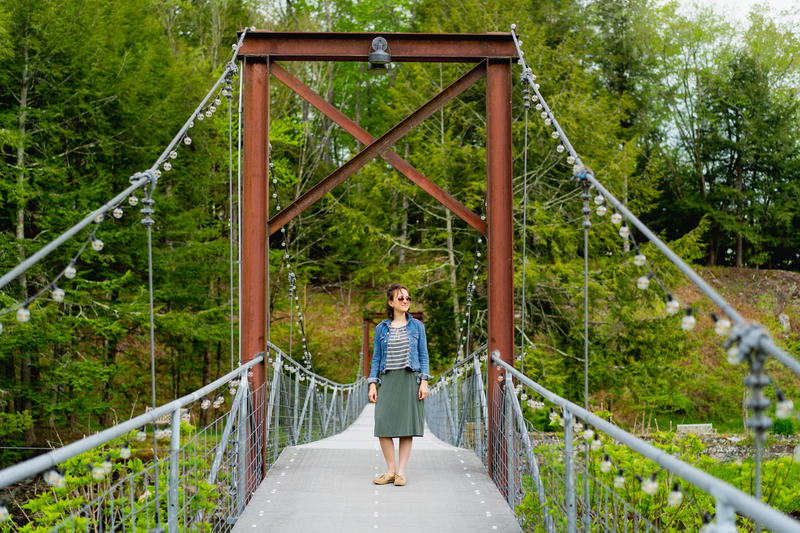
[
  {"x": 254, "y": 285},
  {"x": 243, "y": 454},
  {"x": 174, "y": 466},
  {"x": 511, "y": 457},
  {"x": 569, "y": 477},
  {"x": 500, "y": 231}
]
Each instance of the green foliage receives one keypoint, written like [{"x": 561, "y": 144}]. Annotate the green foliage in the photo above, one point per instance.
[{"x": 783, "y": 426}]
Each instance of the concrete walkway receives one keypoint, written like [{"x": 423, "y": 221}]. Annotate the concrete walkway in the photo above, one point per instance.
[{"x": 326, "y": 486}]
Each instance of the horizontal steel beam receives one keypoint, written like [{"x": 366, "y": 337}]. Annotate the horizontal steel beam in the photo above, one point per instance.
[
  {"x": 420, "y": 47},
  {"x": 376, "y": 148},
  {"x": 390, "y": 156}
]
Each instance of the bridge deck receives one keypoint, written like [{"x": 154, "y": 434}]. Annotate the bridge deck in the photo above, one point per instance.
[{"x": 326, "y": 486}]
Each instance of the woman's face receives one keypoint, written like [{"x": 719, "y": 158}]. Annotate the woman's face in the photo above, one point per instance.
[{"x": 401, "y": 300}]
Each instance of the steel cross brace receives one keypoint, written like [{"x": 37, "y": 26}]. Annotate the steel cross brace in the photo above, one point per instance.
[{"x": 378, "y": 147}]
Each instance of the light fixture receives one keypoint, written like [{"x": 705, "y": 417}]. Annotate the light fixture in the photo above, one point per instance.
[{"x": 379, "y": 58}]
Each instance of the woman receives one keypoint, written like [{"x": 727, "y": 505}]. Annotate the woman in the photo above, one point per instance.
[{"x": 400, "y": 358}]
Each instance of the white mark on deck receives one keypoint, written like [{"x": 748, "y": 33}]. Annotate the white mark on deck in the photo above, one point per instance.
[
  {"x": 255, "y": 525},
  {"x": 375, "y": 526},
  {"x": 273, "y": 491},
  {"x": 472, "y": 482},
  {"x": 462, "y": 461},
  {"x": 494, "y": 527},
  {"x": 283, "y": 474},
  {"x": 375, "y": 514},
  {"x": 488, "y": 514},
  {"x": 468, "y": 475},
  {"x": 290, "y": 460},
  {"x": 376, "y": 492},
  {"x": 483, "y": 501},
  {"x": 477, "y": 491},
  {"x": 465, "y": 468},
  {"x": 269, "y": 501}
]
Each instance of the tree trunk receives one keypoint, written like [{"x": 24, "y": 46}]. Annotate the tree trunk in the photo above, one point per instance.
[
  {"x": 22, "y": 203},
  {"x": 739, "y": 218}
]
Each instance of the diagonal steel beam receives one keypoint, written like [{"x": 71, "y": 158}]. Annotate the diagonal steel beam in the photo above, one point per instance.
[
  {"x": 376, "y": 148},
  {"x": 390, "y": 156}
]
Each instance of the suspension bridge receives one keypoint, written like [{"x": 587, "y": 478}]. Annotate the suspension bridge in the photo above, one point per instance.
[{"x": 292, "y": 451}]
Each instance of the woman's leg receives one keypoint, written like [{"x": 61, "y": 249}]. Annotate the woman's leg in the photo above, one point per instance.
[
  {"x": 405, "y": 453},
  {"x": 387, "y": 447}
]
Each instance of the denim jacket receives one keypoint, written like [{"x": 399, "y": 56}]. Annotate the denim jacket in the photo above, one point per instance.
[{"x": 417, "y": 349}]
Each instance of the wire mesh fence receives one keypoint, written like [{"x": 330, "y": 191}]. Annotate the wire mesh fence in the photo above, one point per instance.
[
  {"x": 189, "y": 465},
  {"x": 305, "y": 407},
  {"x": 566, "y": 469}
]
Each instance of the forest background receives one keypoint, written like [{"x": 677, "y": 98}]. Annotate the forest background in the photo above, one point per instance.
[{"x": 692, "y": 121}]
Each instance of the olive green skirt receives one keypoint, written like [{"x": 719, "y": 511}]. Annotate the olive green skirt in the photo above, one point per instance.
[{"x": 399, "y": 412}]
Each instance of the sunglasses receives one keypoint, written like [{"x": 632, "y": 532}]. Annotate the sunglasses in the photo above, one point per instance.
[{"x": 403, "y": 298}]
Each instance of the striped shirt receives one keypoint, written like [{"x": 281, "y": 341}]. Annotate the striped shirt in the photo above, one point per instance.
[{"x": 397, "y": 348}]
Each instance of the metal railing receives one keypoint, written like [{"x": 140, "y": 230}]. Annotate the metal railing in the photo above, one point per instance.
[
  {"x": 304, "y": 407},
  {"x": 580, "y": 473},
  {"x": 191, "y": 464}
]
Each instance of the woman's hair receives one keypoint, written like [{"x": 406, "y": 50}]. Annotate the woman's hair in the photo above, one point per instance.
[{"x": 391, "y": 291}]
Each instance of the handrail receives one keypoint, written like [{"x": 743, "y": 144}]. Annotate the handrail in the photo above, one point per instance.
[
  {"x": 40, "y": 463},
  {"x": 731, "y": 496}
]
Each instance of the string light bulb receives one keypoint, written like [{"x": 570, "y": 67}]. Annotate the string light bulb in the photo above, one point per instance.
[
  {"x": 554, "y": 134},
  {"x": 722, "y": 326},
  {"x": 97, "y": 245},
  {"x": 673, "y": 305},
  {"x": 547, "y": 122},
  {"x": 650, "y": 484},
  {"x": 783, "y": 407},
  {"x": 644, "y": 281},
  {"x": 639, "y": 260},
  {"x": 140, "y": 436},
  {"x": 23, "y": 314},
  {"x": 619, "y": 479},
  {"x": 173, "y": 154},
  {"x": 588, "y": 434},
  {"x": 201, "y": 117},
  {"x": 54, "y": 478},
  {"x": 599, "y": 200},
  {"x": 98, "y": 218},
  {"x": 117, "y": 213},
  {"x": 605, "y": 464},
  {"x": 571, "y": 160},
  {"x": 675, "y": 497},
  {"x": 4, "y": 514},
  {"x": 596, "y": 443},
  {"x": 560, "y": 148},
  {"x": 733, "y": 354},
  {"x": 133, "y": 200},
  {"x": 209, "y": 113},
  {"x": 187, "y": 141},
  {"x": 624, "y": 231},
  {"x": 601, "y": 210},
  {"x": 217, "y": 100},
  {"x": 688, "y": 322},
  {"x": 98, "y": 472},
  {"x": 167, "y": 166},
  {"x": 125, "y": 452},
  {"x": 616, "y": 218},
  {"x": 58, "y": 294}
]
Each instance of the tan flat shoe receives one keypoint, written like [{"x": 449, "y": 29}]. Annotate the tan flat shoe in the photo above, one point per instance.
[
  {"x": 399, "y": 481},
  {"x": 385, "y": 479}
]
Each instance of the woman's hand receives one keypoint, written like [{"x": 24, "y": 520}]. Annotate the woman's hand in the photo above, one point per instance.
[
  {"x": 373, "y": 393},
  {"x": 423, "y": 389}
]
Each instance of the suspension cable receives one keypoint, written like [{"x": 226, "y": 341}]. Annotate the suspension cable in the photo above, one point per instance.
[
  {"x": 228, "y": 92},
  {"x": 526, "y": 97}
]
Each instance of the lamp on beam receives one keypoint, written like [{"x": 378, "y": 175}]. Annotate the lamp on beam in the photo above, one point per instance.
[{"x": 379, "y": 58}]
